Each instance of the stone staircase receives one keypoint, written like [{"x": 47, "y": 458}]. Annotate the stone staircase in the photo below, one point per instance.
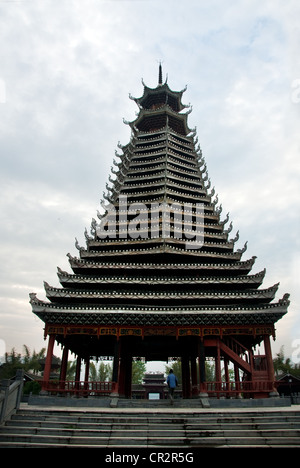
[{"x": 35, "y": 427}]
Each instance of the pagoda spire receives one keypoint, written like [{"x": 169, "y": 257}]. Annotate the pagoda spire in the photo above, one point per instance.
[{"x": 160, "y": 81}]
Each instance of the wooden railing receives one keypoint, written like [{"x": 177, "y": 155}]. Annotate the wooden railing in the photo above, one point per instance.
[
  {"x": 231, "y": 389},
  {"x": 238, "y": 348},
  {"x": 80, "y": 388},
  {"x": 235, "y": 388}
]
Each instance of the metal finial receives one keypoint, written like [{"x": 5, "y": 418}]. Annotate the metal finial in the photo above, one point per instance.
[{"x": 160, "y": 74}]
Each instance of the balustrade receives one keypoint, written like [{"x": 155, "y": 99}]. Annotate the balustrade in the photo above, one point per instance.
[
  {"x": 238, "y": 388},
  {"x": 80, "y": 388},
  {"x": 220, "y": 389}
]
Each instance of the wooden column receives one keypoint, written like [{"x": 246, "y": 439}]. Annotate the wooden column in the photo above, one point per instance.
[
  {"x": 183, "y": 377},
  {"x": 77, "y": 373},
  {"x": 63, "y": 368},
  {"x": 48, "y": 362},
  {"x": 128, "y": 376},
  {"x": 121, "y": 383},
  {"x": 218, "y": 368},
  {"x": 116, "y": 369},
  {"x": 186, "y": 377},
  {"x": 86, "y": 375},
  {"x": 125, "y": 368},
  {"x": 122, "y": 371},
  {"x": 125, "y": 376},
  {"x": 194, "y": 376},
  {"x": 202, "y": 372},
  {"x": 115, "y": 372},
  {"x": 270, "y": 366}
]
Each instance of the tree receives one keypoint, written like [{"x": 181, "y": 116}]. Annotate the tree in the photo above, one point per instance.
[
  {"x": 34, "y": 361},
  {"x": 138, "y": 371},
  {"x": 284, "y": 365},
  {"x": 209, "y": 371},
  {"x": 102, "y": 374},
  {"x": 92, "y": 372},
  {"x": 14, "y": 361},
  {"x": 71, "y": 370},
  {"x": 32, "y": 387},
  {"x": 176, "y": 366}
]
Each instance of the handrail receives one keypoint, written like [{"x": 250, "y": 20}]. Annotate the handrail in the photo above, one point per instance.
[
  {"x": 79, "y": 387},
  {"x": 214, "y": 389},
  {"x": 10, "y": 396},
  {"x": 238, "y": 387},
  {"x": 237, "y": 347}
]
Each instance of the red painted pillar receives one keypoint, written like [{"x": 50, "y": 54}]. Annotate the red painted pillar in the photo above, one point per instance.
[
  {"x": 48, "y": 362},
  {"x": 188, "y": 378},
  {"x": 122, "y": 375},
  {"x": 86, "y": 375},
  {"x": 183, "y": 378},
  {"x": 77, "y": 374},
  {"x": 63, "y": 368},
  {"x": 202, "y": 371},
  {"x": 116, "y": 369},
  {"x": 194, "y": 376},
  {"x": 125, "y": 376},
  {"x": 270, "y": 366},
  {"x": 122, "y": 372},
  {"x": 185, "y": 371},
  {"x": 128, "y": 376},
  {"x": 218, "y": 369},
  {"x": 87, "y": 370}
]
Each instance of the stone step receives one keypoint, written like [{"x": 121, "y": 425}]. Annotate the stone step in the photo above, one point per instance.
[
  {"x": 171, "y": 441},
  {"x": 167, "y": 423},
  {"x": 147, "y": 432},
  {"x": 177, "y": 403},
  {"x": 191, "y": 429},
  {"x": 150, "y": 425},
  {"x": 39, "y": 413}
]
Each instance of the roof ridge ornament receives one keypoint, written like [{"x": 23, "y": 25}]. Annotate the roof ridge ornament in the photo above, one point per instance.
[{"x": 160, "y": 74}]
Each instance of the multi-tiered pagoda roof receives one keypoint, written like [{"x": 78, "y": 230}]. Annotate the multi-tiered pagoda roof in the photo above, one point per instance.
[{"x": 160, "y": 252}]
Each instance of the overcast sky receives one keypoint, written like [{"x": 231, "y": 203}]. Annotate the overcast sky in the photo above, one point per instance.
[{"x": 66, "y": 70}]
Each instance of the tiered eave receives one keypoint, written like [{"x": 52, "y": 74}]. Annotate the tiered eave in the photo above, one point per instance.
[{"x": 160, "y": 253}]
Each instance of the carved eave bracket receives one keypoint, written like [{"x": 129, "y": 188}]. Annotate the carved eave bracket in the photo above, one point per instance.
[
  {"x": 285, "y": 300},
  {"x": 33, "y": 298},
  {"x": 243, "y": 250},
  {"x": 236, "y": 238},
  {"x": 78, "y": 247},
  {"x": 225, "y": 220}
]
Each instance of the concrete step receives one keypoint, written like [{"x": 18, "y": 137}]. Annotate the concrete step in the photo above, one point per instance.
[
  {"x": 188, "y": 425},
  {"x": 142, "y": 419},
  {"x": 166, "y": 403},
  {"x": 128, "y": 414},
  {"x": 148, "y": 432},
  {"x": 167, "y": 442},
  {"x": 192, "y": 429}
]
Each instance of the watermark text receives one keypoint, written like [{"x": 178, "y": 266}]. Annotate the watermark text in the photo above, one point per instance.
[{"x": 154, "y": 220}]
